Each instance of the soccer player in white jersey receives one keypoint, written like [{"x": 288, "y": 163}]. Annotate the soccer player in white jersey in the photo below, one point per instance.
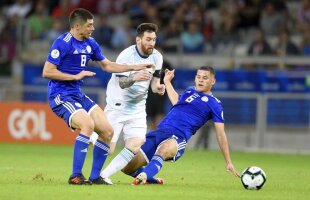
[
  {"x": 66, "y": 66},
  {"x": 126, "y": 97}
]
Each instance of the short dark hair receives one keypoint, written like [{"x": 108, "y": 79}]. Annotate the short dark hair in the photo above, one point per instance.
[
  {"x": 146, "y": 27},
  {"x": 79, "y": 15},
  {"x": 208, "y": 68}
]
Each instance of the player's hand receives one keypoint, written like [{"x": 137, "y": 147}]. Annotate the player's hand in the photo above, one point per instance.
[
  {"x": 83, "y": 74},
  {"x": 230, "y": 167},
  {"x": 142, "y": 75},
  {"x": 168, "y": 75},
  {"x": 161, "y": 89},
  {"x": 143, "y": 66}
]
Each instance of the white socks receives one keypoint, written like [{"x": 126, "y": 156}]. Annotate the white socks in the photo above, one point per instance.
[{"x": 118, "y": 163}]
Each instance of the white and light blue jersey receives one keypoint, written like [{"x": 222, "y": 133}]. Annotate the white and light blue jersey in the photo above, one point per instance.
[
  {"x": 191, "y": 112},
  {"x": 132, "y": 100},
  {"x": 71, "y": 56}
]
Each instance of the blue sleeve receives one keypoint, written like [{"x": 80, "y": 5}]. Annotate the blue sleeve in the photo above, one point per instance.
[
  {"x": 98, "y": 55},
  {"x": 217, "y": 113},
  {"x": 187, "y": 89},
  {"x": 180, "y": 95},
  {"x": 58, "y": 50}
]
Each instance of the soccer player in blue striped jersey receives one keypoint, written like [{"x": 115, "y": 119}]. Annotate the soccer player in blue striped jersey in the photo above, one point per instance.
[
  {"x": 190, "y": 111},
  {"x": 66, "y": 66}
]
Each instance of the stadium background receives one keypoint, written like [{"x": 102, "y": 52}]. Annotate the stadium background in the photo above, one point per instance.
[{"x": 262, "y": 80}]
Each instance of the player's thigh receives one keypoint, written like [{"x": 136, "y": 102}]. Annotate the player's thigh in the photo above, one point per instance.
[
  {"x": 117, "y": 122},
  {"x": 137, "y": 162},
  {"x": 102, "y": 126},
  {"x": 81, "y": 120},
  {"x": 135, "y": 128},
  {"x": 168, "y": 149},
  {"x": 117, "y": 127}
]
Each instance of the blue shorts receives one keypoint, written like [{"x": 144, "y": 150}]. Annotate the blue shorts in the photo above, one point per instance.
[
  {"x": 155, "y": 138},
  {"x": 66, "y": 105}
]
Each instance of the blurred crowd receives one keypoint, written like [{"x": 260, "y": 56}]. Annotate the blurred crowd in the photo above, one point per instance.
[{"x": 225, "y": 27}]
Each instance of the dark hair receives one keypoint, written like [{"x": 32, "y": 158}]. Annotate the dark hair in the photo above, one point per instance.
[
  {"x": 146, "y": 27},
  {"x": 79, "y": 15},
  {"x": 208, "y": 68}
]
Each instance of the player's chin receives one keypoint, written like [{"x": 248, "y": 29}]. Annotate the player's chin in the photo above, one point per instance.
[
  {"x": 150, "y": 51},
  {"x": 88, "y": 35},
  {"x": 200, "y": 88}
]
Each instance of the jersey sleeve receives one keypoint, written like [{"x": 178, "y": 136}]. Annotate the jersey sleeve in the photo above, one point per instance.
[
  {"x": 158, "y": 61},
  {"x": 123, "y": 58},
  {"x": 158, "y": 64},
  {"x": 58, "y": 50},
  {"x": 185, "y": 91},
  {"x": 97, "y": 55},
  {"x": 217, "y": 113}
]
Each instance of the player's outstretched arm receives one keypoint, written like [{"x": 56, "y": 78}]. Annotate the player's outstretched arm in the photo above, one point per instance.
[
  {"x": 224, "y": 146},
  {"x": 157, "y": 87},
  {"x": 50, "y": 71},
  {"x": 114, "y": 67},
  {"x": 142, "y": 75},
  {"x": 172, "y": 94}
]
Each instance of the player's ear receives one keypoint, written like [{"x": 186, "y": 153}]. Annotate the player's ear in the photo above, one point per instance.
[
  {"x": 138, "y": 40},
  {"x": 213, "y": 82},
  {"x": 77, "y": 26}
]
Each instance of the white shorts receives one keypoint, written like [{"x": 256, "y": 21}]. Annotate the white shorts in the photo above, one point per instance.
[{"x": 133, "y": 126}]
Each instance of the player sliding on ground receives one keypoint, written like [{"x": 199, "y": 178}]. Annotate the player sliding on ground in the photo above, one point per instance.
[{"x": 190, "y": 111}]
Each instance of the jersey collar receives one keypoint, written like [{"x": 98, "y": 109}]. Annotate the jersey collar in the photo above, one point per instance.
[
  {"x": 209, "y": 93},
  {"x": 142, "y": 56}
]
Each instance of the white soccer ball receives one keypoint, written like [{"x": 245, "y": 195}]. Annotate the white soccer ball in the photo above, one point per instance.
[{"x": 253, "y": 178}]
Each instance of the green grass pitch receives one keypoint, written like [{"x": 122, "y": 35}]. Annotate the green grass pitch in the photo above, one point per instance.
[{"x": 42, "y": 171}]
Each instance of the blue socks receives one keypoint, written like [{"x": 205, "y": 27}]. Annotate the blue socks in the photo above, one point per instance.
[
  {"x": 79, "y": 153},
  {"x": 141, "y": 169},
  {"x": 100, "y": 153},
  {"x": 154, "y": 166},
  {"x": 136, "y": 173}
]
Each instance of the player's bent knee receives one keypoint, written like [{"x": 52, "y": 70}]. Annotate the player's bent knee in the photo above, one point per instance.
[
  {"x": 105, "y": 134},
  {"x": 134, "y": 144},
  {"x": 165, "y": 153},
  {"x": 167, "y": 150},
  {"x": 134, "y": 148},
  {"x": 87, "y": 127}
]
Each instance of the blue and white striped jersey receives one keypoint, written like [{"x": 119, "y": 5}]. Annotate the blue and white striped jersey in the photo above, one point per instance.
[{"x": 132, "y": 100}]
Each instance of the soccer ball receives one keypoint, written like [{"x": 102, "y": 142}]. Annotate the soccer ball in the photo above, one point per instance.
[{"x": 253, "y": 178}]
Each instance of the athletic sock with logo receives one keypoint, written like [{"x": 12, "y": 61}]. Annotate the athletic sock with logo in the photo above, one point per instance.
[
  {"x": 154, "y": 166},
  {"x": 100, "y": 154},
  {"x": 118, "y": 163},
  {"x": 79, "y": 153}
]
